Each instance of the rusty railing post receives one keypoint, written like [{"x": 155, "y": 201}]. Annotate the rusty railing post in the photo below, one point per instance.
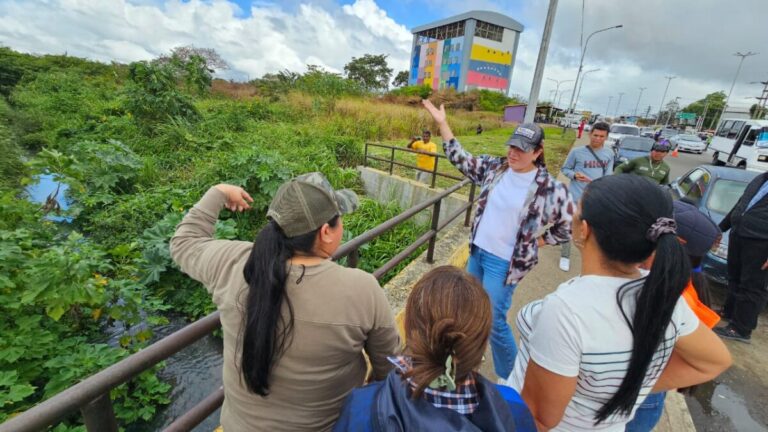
[
  {"x": 469, "y": 209},
  {"x": 435, "y": 219},
  {"x": 99, "y": 415},
  {"x": 434, "y": 172},
  {"x": 392, "y": 161},
  {"x": 353, "y": 258},
  {"x": 365, "y": 159}
]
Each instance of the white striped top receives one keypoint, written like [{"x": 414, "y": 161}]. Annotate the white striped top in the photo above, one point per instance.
[{"x": 579, "y": 331}]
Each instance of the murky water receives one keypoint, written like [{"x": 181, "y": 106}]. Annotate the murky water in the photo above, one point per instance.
[
  {"x": 719, "y": 406},
  {"x": 194, "y": 373}
]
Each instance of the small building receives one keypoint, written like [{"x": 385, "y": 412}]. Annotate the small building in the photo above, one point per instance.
[
  {"x": 514, "y": 113},
  {"x": 473, "y": 50}
]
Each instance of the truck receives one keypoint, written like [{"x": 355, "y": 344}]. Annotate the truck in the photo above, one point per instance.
[{"x": 741, "y": 143}]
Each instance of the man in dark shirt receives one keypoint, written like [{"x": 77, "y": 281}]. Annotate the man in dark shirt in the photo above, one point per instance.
[{"x": 747, "y": 261}]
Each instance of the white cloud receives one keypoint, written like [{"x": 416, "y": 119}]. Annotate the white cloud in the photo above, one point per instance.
[
  {"x": 691, "y": 39},
  {"x": 268, "y": 40}
]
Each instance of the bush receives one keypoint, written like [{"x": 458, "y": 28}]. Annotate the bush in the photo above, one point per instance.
[{"x": 423, "y": 91}]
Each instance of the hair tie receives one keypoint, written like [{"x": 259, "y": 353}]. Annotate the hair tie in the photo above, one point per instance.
[
  {"x": 447, "y": 379},
  {"x": 663, "y": 225}
]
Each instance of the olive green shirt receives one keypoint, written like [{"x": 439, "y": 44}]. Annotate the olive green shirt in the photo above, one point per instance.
[
  {"x": 658, "y": 172},
  {"x": 339, "y": 312}
]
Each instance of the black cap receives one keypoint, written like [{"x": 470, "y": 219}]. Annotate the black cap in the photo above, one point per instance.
[
  {"x": 698, "y": 231},
  {"x": 526, "y": 137}
]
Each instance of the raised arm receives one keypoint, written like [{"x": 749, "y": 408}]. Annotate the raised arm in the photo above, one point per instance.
[
  {"x": 474, "y": 167},
  {"x": 193, "y": 246}
]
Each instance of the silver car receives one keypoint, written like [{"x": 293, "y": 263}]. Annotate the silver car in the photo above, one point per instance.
[{"x": 688, "y": 143}]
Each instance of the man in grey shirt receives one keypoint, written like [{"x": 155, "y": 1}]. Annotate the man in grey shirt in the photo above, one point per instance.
[{"x": 583, "y": 165}]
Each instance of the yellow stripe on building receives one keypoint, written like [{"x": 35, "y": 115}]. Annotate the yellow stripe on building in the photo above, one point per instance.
[{"x": 491, "y": 55}]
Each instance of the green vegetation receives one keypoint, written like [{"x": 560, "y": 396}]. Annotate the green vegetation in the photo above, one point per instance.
[{"x": 138, "y": 145}]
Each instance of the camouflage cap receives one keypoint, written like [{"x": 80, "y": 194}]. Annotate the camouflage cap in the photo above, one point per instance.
[{"x": 306, "y": 202}]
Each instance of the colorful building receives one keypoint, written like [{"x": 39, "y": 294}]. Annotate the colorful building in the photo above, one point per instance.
[{"x": 474, "y": 50}]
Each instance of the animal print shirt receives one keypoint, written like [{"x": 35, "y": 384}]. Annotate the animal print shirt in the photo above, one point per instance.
[{"x": 549, "y": 204}]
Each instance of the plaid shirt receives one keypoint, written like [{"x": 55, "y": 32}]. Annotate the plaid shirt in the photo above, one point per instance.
[{"x": 462, "y": 400}]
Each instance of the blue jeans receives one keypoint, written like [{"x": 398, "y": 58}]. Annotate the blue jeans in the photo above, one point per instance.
[
  {"x": 648, "y": 414},
  {"x": 492, "y": 271}
]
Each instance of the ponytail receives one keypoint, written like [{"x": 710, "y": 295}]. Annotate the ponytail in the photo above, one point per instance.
[
  {"x": 267, "y": 331},
  {"x": 655, "y": 302}
]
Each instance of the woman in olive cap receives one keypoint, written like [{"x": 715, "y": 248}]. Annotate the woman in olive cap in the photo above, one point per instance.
[{"x": 295, "y": 323}]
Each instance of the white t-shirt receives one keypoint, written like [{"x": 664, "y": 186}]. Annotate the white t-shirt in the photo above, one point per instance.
[
  {"x": 579, "y": 331},
  {"x": 497, "y": 232}
]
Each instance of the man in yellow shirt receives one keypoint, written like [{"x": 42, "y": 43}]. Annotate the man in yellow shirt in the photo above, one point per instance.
[{"x": 424, "y": 161}]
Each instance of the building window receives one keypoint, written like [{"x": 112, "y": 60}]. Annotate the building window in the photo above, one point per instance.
[
  {"x": 444, "y": 32},
  {"x": 489, "y": 31}
]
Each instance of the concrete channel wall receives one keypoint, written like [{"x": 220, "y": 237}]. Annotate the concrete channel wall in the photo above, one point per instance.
[{"x": 406, "y": 193}]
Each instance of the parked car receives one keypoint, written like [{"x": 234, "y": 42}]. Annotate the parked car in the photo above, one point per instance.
[
  {"x": 688, "y": 143},
  {"x": 647, "y": 132},
  {"x": 631, "y": 147},
  {"x": 668, "y": 133},
  {"x": 619, "y": 131},
  {"x": 714, "y": 190}
]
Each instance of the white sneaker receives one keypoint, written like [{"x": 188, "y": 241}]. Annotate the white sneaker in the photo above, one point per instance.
[{"x": 565, "y": 264}]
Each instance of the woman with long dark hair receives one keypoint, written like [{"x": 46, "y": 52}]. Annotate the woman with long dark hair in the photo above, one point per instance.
[
  {"x": 295, "y": 323},
  {"x": 520, "y": 208},
  {"x": 436, "y": 385},
  {"x": 596, "y": 347}
]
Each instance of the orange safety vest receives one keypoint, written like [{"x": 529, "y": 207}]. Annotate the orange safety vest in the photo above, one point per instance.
[{"x": 706, "y": 315}]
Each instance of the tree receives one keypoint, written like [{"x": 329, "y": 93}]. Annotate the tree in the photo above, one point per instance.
[
  {"x": 371, "y": 71},
  {"x": 401, "y": 79},
  {"x": 713, "y": 103},
  {"x": 211, "y": 58},
  {"x": 756, "y": 112}
]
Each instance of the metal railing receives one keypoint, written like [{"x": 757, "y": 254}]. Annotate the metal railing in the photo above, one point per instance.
[
  {"x": 91, "y": 396},
  {"x": 392, "y": 162}
]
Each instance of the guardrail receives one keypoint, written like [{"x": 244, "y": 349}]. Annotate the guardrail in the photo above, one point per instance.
[
  {"x": 91, "y": 396},
  {"x": 392, "y": 162}
]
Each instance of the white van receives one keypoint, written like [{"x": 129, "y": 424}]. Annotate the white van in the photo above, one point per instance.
[{"x": 735, "y": 144}]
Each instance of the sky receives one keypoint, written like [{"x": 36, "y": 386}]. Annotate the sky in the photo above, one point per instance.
[{"x": 692, "y": 40}]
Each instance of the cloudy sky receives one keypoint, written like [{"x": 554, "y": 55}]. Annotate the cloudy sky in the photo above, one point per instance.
[{"x": 694, "y": 40}]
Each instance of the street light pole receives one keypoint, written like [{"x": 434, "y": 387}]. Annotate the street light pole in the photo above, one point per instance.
[
  {"x": 583, "y": 52},
  {"x": 642, "y": 89},
  {"x": 618, "y": 104},
  {"x": 661, "y": 107},
  {"x": 556, "y": 91},
  {"x": 735, "y": 77},
  {"x": 581, "y": 84},
  {"x": 610, "y": 98},
  {"x": 533, "y": 99},
  {"x": 561, "y": 95}
]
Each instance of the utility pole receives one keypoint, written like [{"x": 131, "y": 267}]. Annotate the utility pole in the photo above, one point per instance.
[
  {"x": 618, "y": 104},
  {"x": 700, "y": 125},
  {"x": 661, "y": 107},
  {"x": 647, "y": 112},
  {"x": 669, "y": 116},
  {"x": 610, "y": 98},
  {"x": 735, "y": 77},
  {"x": 533, "y": 99},
  {"x": 642, "y": 89},
  {"x": 762, "y": 99}
]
